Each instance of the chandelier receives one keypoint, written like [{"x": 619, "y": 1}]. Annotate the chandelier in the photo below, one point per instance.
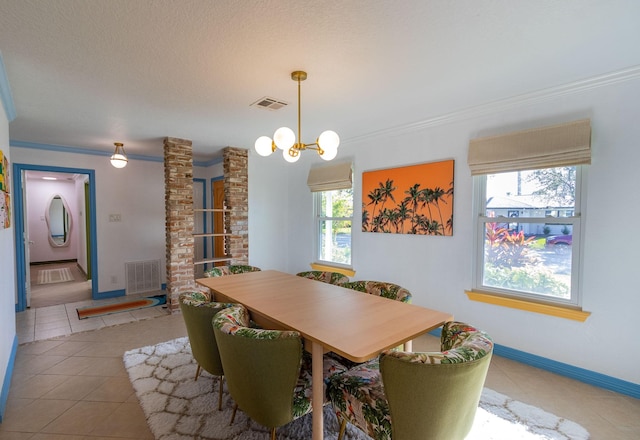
[
  {"x": 285, "y": 139},
  {"x": 119, "y": 158}
]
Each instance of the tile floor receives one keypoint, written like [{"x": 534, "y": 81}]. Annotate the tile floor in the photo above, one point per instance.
[
  {"x": 75, "y": 387},
  {"x": 52, "y": 321}
]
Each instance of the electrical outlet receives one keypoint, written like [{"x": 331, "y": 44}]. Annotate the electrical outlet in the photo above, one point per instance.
[
  {"x": 115, "y": 218},
  {"x": 114, "y": 279}
]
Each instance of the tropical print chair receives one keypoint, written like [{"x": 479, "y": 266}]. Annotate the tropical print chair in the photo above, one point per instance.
[
  {"x": 380, "y": 288},
  {"x": 197, "y": 312},
  {"x": 325, "y": 277},
  {"x": 232, "y": 269},
  {"x": 268, "y": 374},
  {"x": 384, "y": 397}
]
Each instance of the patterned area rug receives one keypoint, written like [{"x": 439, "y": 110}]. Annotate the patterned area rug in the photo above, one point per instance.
[
  {"x": 51, "y": 276},
  {"x": 177, "y": 407}
]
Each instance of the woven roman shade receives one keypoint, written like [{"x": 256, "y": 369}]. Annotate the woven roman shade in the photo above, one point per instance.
[
  {"x": 330, "y": 178},
  {"x": 546, "y": 147}
]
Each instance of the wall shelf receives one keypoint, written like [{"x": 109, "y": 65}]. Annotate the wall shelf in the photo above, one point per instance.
[
  {"x": 212, "y": 260},
  {"x": 212, "y": 234}
]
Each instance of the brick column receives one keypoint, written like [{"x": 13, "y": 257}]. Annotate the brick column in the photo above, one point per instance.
[
  {"x": 178, "y": 196},
  {"x": 236, "y": 194}
]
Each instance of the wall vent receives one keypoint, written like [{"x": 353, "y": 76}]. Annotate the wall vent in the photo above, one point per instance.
[
  {"x": 269, "y": 103},
  {"x": 142, "y": 276}
]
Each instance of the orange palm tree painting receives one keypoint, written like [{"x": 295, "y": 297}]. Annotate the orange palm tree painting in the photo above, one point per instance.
[{"x": 416, "y": 199}]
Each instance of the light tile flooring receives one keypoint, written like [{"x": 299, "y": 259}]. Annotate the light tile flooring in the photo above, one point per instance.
[
  {"x": 75, "y": 387},
  {"x": 52, "y": 321}
]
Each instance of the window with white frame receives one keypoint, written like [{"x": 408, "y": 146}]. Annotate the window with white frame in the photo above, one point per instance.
[
  {"x": 333, "y": 213},
  {"x": 529, "y": 216},
  {"x": 333, "y": 226}
]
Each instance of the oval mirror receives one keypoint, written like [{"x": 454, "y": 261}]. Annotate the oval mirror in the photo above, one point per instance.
[{"x": 58, "y": 221}]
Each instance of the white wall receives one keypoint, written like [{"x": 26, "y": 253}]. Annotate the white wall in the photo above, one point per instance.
[
  {"x": 437, "y": 270},
  {"x": 40, "y": 192},
  {"x": 135, "y": 192},
  {"x": 271, "y": 221},
  {"x": 208, "y": 173},
  {"x": 7, "y": 269}
]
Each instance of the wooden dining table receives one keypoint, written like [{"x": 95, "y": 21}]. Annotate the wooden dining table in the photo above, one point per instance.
[{"x": 352, "y": 324}]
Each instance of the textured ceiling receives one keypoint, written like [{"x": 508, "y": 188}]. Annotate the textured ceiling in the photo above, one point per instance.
[{"x": 87, "y": 73}]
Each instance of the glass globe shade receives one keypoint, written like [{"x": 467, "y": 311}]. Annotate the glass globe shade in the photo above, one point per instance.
[
  {"x": 329, "y": 153},
  {"x": 288, "y": 157},
  {"x": 263, "y": 146},
  {"x": 284, "y": 137},
  {"x": 118, "y": 161},
  {"x": 329, "y": 140}
]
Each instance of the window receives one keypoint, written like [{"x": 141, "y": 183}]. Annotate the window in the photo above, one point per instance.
[
  {"x": 528, "y": 239},
  {"x": 527, "y": 192},
  {"x": 332, "y": 188},
  {"x": 334, "y": 215}
]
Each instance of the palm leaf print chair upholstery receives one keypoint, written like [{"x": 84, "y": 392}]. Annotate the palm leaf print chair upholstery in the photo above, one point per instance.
[
  {"x": 197, "y": 312},
  {"x": 231, "y": 269},
  {"x": 380, "y": 288},
  {"x": 325, "y": 276},
  {"x": 267, "y": 374},
  {"x": 408, "y": 396}
]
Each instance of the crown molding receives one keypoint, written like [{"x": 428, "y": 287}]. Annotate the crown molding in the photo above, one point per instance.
[{"x": 502, "y": 105}]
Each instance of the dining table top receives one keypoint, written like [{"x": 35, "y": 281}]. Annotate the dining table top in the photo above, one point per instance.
[{"x": 350, "y": 323}]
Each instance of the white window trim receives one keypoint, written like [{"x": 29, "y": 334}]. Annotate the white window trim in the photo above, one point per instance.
[
  {"x": 317, "y": 209},
  {"x": 577, "y": 222}
]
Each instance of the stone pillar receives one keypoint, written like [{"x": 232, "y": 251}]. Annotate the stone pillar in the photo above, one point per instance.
[
  {"x": 179, "y": 214},
  {"x": 236, "y": 194}
]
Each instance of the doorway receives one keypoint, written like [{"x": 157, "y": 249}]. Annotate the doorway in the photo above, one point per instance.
[{"x": 72, "y": 248}]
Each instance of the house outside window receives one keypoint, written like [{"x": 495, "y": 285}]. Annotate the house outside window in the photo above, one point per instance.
[
  {"x": 528, "y": 240},
  {"x": 527, "y": 206}
]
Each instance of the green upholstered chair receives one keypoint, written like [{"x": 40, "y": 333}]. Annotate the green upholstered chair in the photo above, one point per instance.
[
  {"x": 408, "y": 396},
  {"x": 380, "y": 288},
  {"x": 267, "y": 372},
  {"x": 325, "y": 277},
  {"x": 232, "y": 269},
  {"x": 197, "y": 312}
]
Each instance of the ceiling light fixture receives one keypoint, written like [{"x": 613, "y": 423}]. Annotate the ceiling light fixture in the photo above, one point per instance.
[
  {"x": 285, "y": 139},
  {"x": 119, "y": 158}
]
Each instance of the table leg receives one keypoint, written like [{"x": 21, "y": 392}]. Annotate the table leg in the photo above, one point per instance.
[
  {"x": 408, "y": 346},
  {"x": 317, "y": 397}
]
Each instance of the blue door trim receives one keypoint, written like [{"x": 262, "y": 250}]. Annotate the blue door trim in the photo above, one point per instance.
[{"x": 19, "y": 225}]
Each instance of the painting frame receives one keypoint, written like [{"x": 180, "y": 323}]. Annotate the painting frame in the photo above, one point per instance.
[{"x": 411, "y": 199}]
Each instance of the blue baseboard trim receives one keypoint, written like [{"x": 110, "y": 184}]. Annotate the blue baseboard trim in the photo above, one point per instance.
[
  {"x": 6, "y": 383},
  {"x": 576, "y": 373},
  {"x": 580, "y": 374}
]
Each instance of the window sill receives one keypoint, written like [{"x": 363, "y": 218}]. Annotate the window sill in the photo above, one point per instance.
[
  {"x": 530, "y": 306},
  {"x": 325, "y": 267}
]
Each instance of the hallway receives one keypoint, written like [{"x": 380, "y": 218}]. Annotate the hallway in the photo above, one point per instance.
[{"x": 56, "y": 293}]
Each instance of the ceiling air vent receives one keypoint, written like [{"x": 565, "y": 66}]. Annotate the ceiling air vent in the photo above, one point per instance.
[{"x": 269, "y": 103}]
